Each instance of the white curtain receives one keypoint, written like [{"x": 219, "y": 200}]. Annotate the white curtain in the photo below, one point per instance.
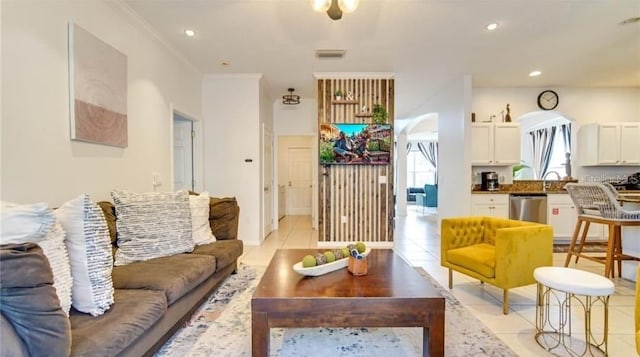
[
  {"x": 541, "y": 141},
  {"x": 430, "y": 152}
]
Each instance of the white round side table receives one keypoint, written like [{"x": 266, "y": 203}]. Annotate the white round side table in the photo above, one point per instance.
[{"x": 558, "y": 287}]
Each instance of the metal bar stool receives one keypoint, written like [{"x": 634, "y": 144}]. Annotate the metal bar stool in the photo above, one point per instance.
[
  {"x": 558, "y": 288},
  {"x": 597, "y": 203}
]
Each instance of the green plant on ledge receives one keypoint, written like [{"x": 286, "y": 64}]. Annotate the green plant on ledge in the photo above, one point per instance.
[
  {"x": 380, "y": 114},
  {"x": 339, "y": 94},
  {"x": 517, "y": 168}
]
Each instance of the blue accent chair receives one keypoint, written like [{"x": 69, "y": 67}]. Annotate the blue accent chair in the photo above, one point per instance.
[{"x": 431, "y": 197}]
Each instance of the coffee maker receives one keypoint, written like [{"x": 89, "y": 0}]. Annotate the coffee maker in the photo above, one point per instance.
[{"x": 489, "y": 181}]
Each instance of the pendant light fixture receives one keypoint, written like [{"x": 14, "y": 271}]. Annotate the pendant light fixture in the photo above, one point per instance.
[
  {"x": 335, "y": 8},
  {"x": 291, "y": 99}
]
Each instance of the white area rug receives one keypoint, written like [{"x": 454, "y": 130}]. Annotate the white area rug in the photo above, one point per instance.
[{"x": 222, "y": 327}]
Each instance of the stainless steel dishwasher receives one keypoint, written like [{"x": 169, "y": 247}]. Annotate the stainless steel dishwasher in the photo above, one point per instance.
[{"x": 528, "y": 207}]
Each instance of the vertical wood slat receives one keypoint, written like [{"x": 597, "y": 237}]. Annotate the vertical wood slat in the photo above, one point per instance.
[{"x": 355, "y": 191}]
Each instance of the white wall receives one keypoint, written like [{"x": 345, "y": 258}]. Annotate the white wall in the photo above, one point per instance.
[
  {"x": 300, "y": 119},
  {"x": 232, "y": 146},
  {"x": 453, "y": 107},
  {"x": 401, "y": 173},
  {"x": 39, "y": 161},
  {"x": 583, "y": 105},
  {"x": 266, "y": 125}
]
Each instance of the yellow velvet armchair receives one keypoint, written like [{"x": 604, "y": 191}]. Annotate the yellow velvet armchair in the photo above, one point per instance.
[{"x": 498, "y": 251}]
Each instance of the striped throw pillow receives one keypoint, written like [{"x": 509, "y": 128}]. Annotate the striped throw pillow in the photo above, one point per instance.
[
  {"x": 89, "y": 246},
  {"x": 151, "y": 225}
]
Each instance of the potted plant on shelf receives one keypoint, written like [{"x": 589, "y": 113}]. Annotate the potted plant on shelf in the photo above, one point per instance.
[
  {"x": 339, "y": 94},
  {"x": 379, "y": 114}
]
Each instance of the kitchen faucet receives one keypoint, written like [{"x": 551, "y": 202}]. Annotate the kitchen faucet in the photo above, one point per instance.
[{"x": 544, "y": 179}]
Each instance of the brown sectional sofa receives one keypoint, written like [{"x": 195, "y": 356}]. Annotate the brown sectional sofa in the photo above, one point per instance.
[{"x": 154, "y": 297}]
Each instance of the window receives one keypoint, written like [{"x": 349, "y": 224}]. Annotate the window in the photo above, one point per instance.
[
  {"x": 558, "y": 158},
  {"x": 561, "y": 145},
  {"x": 419, "y": 170}
]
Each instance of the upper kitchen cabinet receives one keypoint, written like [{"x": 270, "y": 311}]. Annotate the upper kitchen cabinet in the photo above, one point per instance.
[
  {"x": 495, "y": 144},
  {"x": 610, "y": 144}
]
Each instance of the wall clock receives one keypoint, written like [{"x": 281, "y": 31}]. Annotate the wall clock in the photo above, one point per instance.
[{"x": 548, "y": 100}]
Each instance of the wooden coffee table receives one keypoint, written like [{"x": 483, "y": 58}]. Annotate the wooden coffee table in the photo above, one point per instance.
[{"x": 392, "y": 294}]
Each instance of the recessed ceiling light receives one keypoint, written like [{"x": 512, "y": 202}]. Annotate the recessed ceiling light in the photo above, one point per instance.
[
  {"x": 189, "y": 32},
  {"x": 534, "y": 73},
  {"x": 492, "y": 26}
]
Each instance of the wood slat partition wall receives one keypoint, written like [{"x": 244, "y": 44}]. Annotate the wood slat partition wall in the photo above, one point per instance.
[{"x": 361, "y": 193}]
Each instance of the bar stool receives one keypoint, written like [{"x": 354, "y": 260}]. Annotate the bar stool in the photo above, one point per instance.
[
  {"x": 558, "y": 287},
  {"x": 597, "y": 203}
]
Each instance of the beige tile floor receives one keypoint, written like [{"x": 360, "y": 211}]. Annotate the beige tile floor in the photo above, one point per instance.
[{"x": 417, "y": 240}]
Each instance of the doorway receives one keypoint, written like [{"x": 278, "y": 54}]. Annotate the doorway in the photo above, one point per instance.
[
  {"x": 295, "y": 174},
  {"x": 267, "y": 178},
  {"x": 183, "y": 155}
]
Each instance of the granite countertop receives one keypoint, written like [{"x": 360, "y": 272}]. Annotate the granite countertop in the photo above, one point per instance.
[
  {"x": 527, "y": 187},
  {"x": 532, "y": 187},
  {"x": 524, "y": 192}
]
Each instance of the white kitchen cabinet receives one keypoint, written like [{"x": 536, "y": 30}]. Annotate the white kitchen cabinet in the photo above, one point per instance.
[
  {"x": 610, "y": 144},
  {"x": 493, "y": 205},
  {"x": 562, "y": 216},
  {"x": 495, "y": 144},
  {"x": 630, "y": 143}
]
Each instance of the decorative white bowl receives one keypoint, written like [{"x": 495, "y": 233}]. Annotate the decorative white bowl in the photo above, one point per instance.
[{"x": 324, "y": 268}]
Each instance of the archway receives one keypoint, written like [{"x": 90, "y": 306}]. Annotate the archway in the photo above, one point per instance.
[{"x": 408, "y": 132}]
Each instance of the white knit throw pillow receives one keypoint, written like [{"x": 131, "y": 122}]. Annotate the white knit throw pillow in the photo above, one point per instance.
[
  {"x": 151, "y": 225},
  {"x": 89, "y": 247}
]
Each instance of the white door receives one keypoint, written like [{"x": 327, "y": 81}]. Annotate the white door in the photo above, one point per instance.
[
  {"x": 299, "y": 185},
  {"x": 267, "y": 179},
  {"x": 182, "y": 153}
]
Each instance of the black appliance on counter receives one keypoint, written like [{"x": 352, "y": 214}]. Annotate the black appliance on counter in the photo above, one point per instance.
[
  {"x": 630, "y": 183},
  {"x": 489, "y": 181}
]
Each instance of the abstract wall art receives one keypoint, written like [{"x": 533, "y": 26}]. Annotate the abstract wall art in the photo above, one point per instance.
[{"x": 97, "y": 90}]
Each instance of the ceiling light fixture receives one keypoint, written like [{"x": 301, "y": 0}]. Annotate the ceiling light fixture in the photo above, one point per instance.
[
  {"x": 492, "y": 26},
  {"x": 335, "y": 8},
  {"x": 189, "y": 32},
  {"x": 534, "y": 73},
  {"x": 290, "y": 99}
]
